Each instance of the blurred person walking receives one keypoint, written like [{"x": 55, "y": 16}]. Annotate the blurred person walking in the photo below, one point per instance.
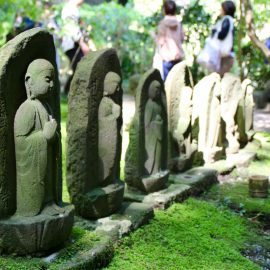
[
  {"x": 218, "y": 53},
  {"x": 169, "y": 39},
  {"x": 73, "y": 42}
]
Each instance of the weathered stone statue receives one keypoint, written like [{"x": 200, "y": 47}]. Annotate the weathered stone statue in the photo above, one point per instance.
[
  {"x": 249, "y": 107},
  {"x": 108, "y": 114},
  {"x": 146, "y": 158},
  {"x": 36, "y": 142},
  {"x": 231, "y": 94},
  {"x": 244, "y": 115},
  {"x": 153, "y": 122},
  {"x": 206, "y": 108},
  {"x": 179, "y": 91},
  {"x": 41, "y": 222},
  {"x": 94, "y": 135}
]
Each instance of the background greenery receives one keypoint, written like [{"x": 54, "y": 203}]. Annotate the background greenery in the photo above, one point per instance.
[{"x": 130, "y": 30}]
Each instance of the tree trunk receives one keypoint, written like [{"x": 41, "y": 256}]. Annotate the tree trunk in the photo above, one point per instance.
[
  {"x": 240, "y": 36},
  {"x": 251, "y": 29}
]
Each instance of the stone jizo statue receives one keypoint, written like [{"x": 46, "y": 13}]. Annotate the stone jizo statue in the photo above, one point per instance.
[
  {"x": 34, "y": 220},
  {"x": 179, "y": 93},
  {"x": 153, "y": 123},
  {"x": 94, "y": 143},
  {"x": 36, "y": 142},
  {"x": 108, "y": 114},
  {"x": 146, "y": 166}
]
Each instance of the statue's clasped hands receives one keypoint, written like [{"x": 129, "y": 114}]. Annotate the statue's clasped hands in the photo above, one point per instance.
[{"x": 50, "y": 127}]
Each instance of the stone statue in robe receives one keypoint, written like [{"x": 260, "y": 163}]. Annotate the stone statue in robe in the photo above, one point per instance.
[
  {"x": 36, "y": 143},
  {"x": 108, "y": 113},
  {"x": 153, "y": 124}
]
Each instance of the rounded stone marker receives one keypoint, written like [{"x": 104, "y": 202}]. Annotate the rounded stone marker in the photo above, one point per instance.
[{"x": 258, "y": 186}]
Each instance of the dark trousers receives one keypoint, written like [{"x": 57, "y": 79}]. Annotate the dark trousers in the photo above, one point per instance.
[
  {"x": 167, "y": 66},
  {"x": 74, "y": 55}
]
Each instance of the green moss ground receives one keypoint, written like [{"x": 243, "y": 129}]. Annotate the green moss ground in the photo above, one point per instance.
[
  {"x": 236, "y": 195},
  {"x": 235, "y": 192},
  {"x": 192, "y": 235},
  {"x": 80, "y": 241}
]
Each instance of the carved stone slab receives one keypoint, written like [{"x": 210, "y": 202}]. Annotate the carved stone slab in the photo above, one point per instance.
[
  {"x": 146, "y": 158},
  {"x": 94, "y": 135},
  {"x": 206, "y": 108},
  {"x": 231, "y": 94},
  {"x": 179, "y": 91},
  {"x": 28, "y": 233}
]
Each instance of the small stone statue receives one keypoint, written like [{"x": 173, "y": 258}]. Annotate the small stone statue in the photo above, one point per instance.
[
  {"x": 34, "y": 220},
  {"x": 231, "y": 94},
  {"x": 36, "y": 142},
  {"x": 146, "y": 158},
  {"x": 249, "y": 107},
  {"x": 153, "y": 123},
  {"x": 206, "y": 108},
  {"x": 94, "y": 143},
  {"x": 179, "y": 91}
]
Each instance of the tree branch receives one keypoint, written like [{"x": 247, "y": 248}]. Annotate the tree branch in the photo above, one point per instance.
[{"x": 251, "y": 30}]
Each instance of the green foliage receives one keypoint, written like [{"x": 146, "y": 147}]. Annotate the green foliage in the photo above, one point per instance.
[
  {"x": 8, "y": 11},
  {"x": 255, "y": 66},
  {"x": 125, "y": 30},
  {"x": 192, "y": 235},
  {"x": 64, "y": 111}
]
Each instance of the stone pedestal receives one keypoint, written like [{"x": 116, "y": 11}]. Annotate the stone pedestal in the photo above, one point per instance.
[
  {"x": 36, "y": 235},
  {"x": 101, "y": 201},
  {"x": 155, "y": 182}
]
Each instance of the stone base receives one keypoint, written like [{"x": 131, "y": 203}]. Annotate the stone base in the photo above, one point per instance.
[
  {"x": 241, "y": 159},
  {"x": 109, "y": 230},
  {"x": 200, "y": 179},
  {"x": 222, "y": 166},
  {"x": 180, "y": 164},
  {"x": 161, "y": 199},
  {"x": 128, "y": 218},
  {"x": 35, "y": 235},
  {"x": 155, "y": 182},
  {"x": 101, "y": 201}
]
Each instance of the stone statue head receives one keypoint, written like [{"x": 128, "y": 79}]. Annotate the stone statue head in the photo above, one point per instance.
[
  {"x": 111, "y": 83},
  {"x": 39, "y": 79},
  {"x": 154, "y": 90}
]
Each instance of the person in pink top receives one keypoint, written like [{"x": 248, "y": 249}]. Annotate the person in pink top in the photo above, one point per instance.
[{"x": 169, "y": 38}]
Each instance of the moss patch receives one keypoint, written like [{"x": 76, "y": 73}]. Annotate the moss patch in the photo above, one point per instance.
[
  {"x": 192, "y": 235},
  {"x": 80, "y": 241},
  {"x": 236, "y": 195}
]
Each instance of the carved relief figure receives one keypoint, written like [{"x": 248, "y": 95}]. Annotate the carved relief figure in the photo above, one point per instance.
[
  {"x": 153, "y": 124},
  {"x": 94, "y": 144},
  {"x": 146, "y": 166},
  {"x": 182, "y": 133},
  {"x": 179, "y": 91},
  {"x": 108, "y": 114},
  {"x": 206, "y": 107},
  {"x": 231, "y": 94},
  {"x": 36, "y": 142}
]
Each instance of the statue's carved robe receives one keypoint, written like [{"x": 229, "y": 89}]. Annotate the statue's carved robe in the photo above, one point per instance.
[
  {"x": 153, "y": 136},
  {"x": 108, "y": 114},
  {"x": 35, "y": 159}
]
